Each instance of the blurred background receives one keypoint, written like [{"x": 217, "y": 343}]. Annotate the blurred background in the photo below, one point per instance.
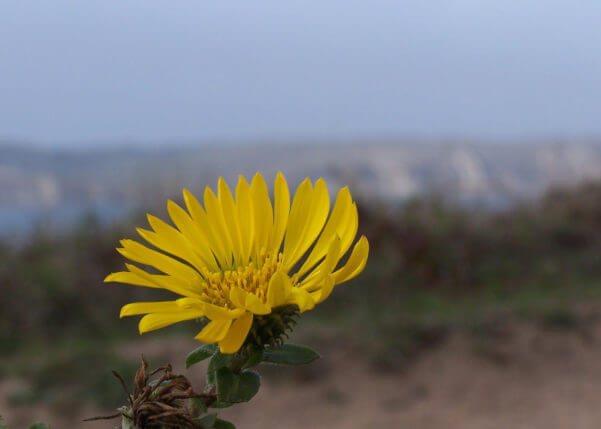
[{"x": 469, "y": 131}]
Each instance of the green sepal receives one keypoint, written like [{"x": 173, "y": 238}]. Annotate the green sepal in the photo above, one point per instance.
[
  {"x": 207, "y": 421},
  {"x": 290, "y": 354},
  {"x": 127, "y": 421},
  {"x": 38, "y": 425},
  {"x": 232, "y": 387},
  {"x": 201, "y": 353},
  {"x": 223, "y": 424},
  {"x": 218, "y": 361},
  {"x": 255, "y": 357}
]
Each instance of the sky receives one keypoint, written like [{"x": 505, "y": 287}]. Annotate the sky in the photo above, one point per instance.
[{"x": 86, "y": 72}]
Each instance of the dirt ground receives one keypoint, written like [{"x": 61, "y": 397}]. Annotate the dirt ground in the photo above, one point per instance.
[{"x": 531, "y": 378}]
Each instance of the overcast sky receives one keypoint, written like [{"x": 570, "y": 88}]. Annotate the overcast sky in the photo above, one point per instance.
[{"x": 107, "y": 70}]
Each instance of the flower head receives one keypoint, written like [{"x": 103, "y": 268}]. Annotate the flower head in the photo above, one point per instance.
[{"x": 242, "y": 259}]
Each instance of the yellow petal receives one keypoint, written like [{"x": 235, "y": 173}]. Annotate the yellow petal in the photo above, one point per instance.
[
  {"x": 217, "y": 224},
  {"x": 302, "y": 299},
  {"x": 281, "y": 212},
  {"x": 130, "y": 278},
  {"x": 215, "y": 331},
  {"x": 249, "y": 301},
  {"x": 191, "y": 231},
  {"x": 230, "y": 217},
  {"x": 355, "y": 263},
  {"x": 254, "y": 304},
  {"x": 190, "y": 304},
  {"x": 201, "y": 221},
  {"x": 320, "y": 208},
  {"x": 167, "y": 282},
  {"x": 299, "y": 216},
  {"x": 136, "y": 308},
  {"x": 246, "y": 218},
  {"x": 309, "y": 225},
  {"x": 317, "y": 277},
  {"x": 238, "y": 297},
  {"x": 326, "y": 289},
  {"x": 142, "y": 254},
  {"x": 262, "y": 213},
  {"x": 193, "y": 206},
  {"x": 215, "y": 312},
  {"x": 153, "y": 321},
  {"x": 171, "y": 241},
  {"x": 279, "y": 289},
  {"x": 339, "y": 223},
  {"x": 237, "y": 334},
  {"x": 348, "y": 229}
]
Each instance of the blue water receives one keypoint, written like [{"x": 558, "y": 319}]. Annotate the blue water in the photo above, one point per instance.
[{"x": 17, "y": 222}]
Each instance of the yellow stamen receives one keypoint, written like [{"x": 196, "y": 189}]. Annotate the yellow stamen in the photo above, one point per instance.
[{"x": 253, "y": 278}]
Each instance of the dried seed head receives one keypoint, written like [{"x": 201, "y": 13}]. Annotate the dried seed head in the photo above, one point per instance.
[{"x": 158, "y": 400}]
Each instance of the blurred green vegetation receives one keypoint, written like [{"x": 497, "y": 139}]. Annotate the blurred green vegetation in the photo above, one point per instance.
[{"x": 434, "y": 267}]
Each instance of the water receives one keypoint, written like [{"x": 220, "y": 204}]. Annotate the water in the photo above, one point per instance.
[{"x": 17, "y": 222}]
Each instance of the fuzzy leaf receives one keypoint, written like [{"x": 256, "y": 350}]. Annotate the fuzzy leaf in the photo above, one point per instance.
[
  {"x": 217, "y": 361},
  {"x": 199, "y": 405},
  {"x": 207, "y": 421},
  {"x": 290, "y": 354},
  {"x": 222, "y": 424},
  {"x": 219, "y": 404},
  {"x": 254, "y": 359},
  {"x": 232, "y": 387},
  {"x": 201, "y": 353}
]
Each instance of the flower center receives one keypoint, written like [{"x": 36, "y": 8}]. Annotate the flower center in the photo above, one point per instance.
[{"x": 253, "y": 278}]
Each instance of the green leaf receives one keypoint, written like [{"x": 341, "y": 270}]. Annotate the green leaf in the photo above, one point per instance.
[
  {"x": 219, "y": 404},
  {"x": 290, "y": 354},
  {"x": 232, "y": 387},
  {"x": 201, "y": 353},
  {"x": 199, "y": 405},
  {"x": 227, "y": 384},
  {"x": 208, "y": 421},
  {"x": 254, "y": 358},
  {"x": 217, "y": 361},
  {"x": 222, "y": 424},
  {"x": 39, "y": 425}
]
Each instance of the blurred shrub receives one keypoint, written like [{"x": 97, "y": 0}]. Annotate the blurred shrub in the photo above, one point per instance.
[
  {"x": 51, "y": 286},
  {"x": 433, "y": 265},
  {"x": 436, "y": 244}
]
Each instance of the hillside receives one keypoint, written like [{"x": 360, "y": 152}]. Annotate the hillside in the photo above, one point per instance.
[{"x": 485, "y": 172}]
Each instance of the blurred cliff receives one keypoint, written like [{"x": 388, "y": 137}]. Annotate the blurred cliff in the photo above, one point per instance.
[{"x": 59, "y": 185}]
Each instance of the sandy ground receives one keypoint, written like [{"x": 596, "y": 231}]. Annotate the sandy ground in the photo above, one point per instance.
[{"x": 528, "y": 379}]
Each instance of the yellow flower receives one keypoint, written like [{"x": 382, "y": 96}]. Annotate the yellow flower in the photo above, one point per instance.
[{"x": 242, "y": 258}]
